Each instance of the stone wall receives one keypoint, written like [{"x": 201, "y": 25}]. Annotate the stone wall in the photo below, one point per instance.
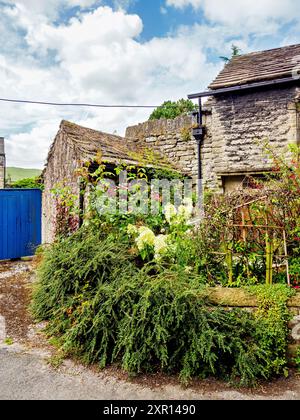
[
  {"x": 241, "y": 123},
  {"x": 236, "y": 128},
  {"x": 240, "y": 298},
  {"x": 171, "y": 137},
  {"x": 2, "y": 163},
  {"x": 62, "y": 163}
]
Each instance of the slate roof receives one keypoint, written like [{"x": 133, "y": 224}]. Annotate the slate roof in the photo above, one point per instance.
[{"x": 261, "y": 66}]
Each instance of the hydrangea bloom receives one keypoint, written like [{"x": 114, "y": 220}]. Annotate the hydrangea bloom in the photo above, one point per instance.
[
  {"x": 170, "y": 212},
  {"x": 185, "y": 212},
  {"x": 160, "y": 246},
  {"x": 146, "y": 237},
  {"x": 132, "y": 230},
  {"x": 188, "y": 203}
]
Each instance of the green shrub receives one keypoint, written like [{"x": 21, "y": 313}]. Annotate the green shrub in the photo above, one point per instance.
[
  {"x": 297, "y": 359},
  {"x": 171, "y": 110},
  {"x": 78, "y": 264},
  {"x": 272, "y": 330},
  {"x": 105, "y": 310},
  {"x": 30, "y": 183}
]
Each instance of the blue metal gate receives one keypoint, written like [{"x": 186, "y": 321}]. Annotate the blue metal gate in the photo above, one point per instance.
[{"x": 20, "y": 222}]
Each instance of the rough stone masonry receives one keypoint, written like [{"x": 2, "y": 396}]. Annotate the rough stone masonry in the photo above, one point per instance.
[
  {"x": 237, "y": 127},
  {"x": 173, "y": 138}
]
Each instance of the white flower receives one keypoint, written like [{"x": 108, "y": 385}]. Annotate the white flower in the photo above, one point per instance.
[
  {"x": 161, "y": 245},
  {"x": 170, "y": 212},
  {"x": 188, "y": 202},
  {"x": 185, "y": 211},
  {"x": 146, "y": 237},
  {"x": 132, "y": 230}
]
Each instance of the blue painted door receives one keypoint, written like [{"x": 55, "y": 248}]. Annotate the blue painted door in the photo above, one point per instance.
[{"x": 20, "y": 222}]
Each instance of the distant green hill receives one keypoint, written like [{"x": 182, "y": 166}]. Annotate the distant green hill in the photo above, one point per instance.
[{"x": 16, "y": 174}]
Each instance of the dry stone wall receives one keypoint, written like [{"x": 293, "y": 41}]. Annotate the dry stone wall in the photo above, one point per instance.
[
  {"x": 171, "y": 137},
  {"x": 240, "y": 298}
]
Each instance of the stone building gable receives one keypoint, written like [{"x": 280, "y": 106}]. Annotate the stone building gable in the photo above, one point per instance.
[
  {"x": 254, "y": 101},
  {"x": 75, "y": 145},
  {"x": 62, "y": 163}
]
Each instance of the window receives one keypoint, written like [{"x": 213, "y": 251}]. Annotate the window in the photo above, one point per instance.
[{"x": 242, "y": 181}]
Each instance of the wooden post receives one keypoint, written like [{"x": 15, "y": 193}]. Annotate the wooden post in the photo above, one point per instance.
[
  {"x": 244, "y": 234},
  {"x": 229, "y": 262},
  {"x": 287, "y": 258},
  {"x": 269, "y": 259}
]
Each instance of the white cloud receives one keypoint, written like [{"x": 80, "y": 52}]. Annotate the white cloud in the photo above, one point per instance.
[
  {"x": 29, "y": 149},
  {"x": 246, "y": 13},
  {"x": 180, "y": 4},
  {"x": 96, "y": 58},
  {"x": 50, "y": 8}
]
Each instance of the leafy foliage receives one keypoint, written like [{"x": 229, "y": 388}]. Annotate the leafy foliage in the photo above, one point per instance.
[
  {"x": 272, "y": 332},
  {"x": 67, "y": 211},
  {"x": 218, "y": 250},
  {"x": 171, "y": 110},
  {"x": 270, "y": 209},
  {"x": 77, "y": 263},
  {"x": 297, "y": 358},
  {"x": 131, "y": 288},
  {"x": 105, "y": 309},
  {"x": 30, "y": 183}
]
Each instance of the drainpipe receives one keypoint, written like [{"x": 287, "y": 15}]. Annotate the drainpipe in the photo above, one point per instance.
[{"x": 198, "y": 133}]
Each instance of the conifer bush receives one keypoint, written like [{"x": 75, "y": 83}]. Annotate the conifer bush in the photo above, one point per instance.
[{"x": 105, "y": 310}]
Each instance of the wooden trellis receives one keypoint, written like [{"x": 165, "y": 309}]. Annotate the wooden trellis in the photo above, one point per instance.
[{"x": 245, "y": 228}]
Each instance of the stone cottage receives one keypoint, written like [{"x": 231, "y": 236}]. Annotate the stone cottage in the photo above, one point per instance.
[
  {"x": 2, "y": 163},
  {"x": 75, "y": 145},
  {"x": 255, "y": 98}
]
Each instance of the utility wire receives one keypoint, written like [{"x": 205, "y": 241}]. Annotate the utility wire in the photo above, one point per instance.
[{"x": 21, "y": 101}]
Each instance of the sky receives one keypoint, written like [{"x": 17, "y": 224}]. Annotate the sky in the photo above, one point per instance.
[{"x": 135, "y": 52}]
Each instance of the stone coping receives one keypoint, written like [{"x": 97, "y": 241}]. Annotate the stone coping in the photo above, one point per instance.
[{"x": 241, "y": 298}]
